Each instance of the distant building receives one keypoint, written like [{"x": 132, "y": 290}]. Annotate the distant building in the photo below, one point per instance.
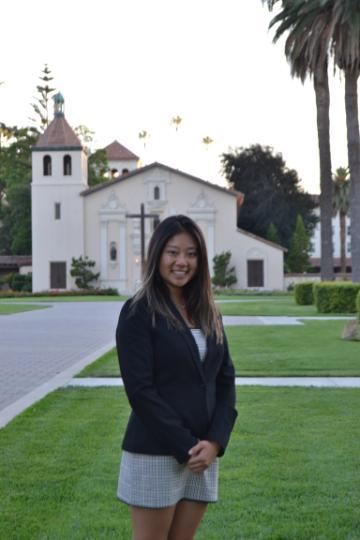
[
  {"x": 315, "y": 254},
  {"x": 70, "y": 219}
]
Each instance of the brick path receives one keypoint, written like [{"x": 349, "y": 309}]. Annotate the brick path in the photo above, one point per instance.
[{"x": 38, "y": 346}]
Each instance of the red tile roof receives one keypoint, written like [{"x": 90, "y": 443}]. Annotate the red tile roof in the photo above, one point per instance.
[
  {"x": 117, "y": 152},
  {"x": 58, "y": 134}
]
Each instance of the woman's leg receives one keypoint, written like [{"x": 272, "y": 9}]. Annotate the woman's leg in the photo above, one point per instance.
[
  {"x": 151, "y": 523},
  {"x": 186, "y": 520}
]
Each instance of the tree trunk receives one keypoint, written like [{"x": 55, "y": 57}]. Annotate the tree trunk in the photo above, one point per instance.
[
  {"x": 321, "y": 87},
  {"x": 342, "y": 218},
  {"x": 353, "y": 140}
]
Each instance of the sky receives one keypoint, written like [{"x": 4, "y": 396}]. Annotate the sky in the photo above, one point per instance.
[{"x": 124, "y": 66}]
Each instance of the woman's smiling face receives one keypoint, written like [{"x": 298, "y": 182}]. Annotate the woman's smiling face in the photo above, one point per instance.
[{"x": 179, "y": 260}]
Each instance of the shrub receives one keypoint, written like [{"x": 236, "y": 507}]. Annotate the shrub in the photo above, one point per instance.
[
  {"x": 358, "y": 304},
  {"x": 80, "y": 269},
  {"x": 336, "y": 297},
  {"x": 223, "y": 275},
  {"x": 21, "y": 283},
  {"x": 304, "y": 295}
]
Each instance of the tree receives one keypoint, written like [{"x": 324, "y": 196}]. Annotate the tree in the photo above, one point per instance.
[
  {"x": 272, "y": 192},
  {"x": 15, "y": 204},
  {"x": 80, "y": 269},
  {"x": 308, "y": 26},
  {"x": 345, "y": 48},
  {"x": 41, "y": 105},
  {"x": 207, "y": 141},
  {"x": 223, "y": 275},
  {"x": 176, "y": 121},
  {"x": 341, "y": 205},
  {"x": 298, "y": 257},
  {"x": 97, "y": 167},
  {"x": 272, "y": 234}
]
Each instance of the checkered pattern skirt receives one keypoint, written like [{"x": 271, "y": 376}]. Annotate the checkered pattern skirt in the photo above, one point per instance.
[{"x": 159, "y": 481}]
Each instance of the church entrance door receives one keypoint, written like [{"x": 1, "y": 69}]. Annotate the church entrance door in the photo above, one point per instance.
[{"x": 58, "y": 275}]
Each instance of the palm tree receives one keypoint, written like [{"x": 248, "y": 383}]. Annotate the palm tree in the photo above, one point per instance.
[
  {"x": 306, "y": 49},
  {"x": 176, "y": 121},
  {"x": 143, "y": 136},
  {"x": 207, "y": 141},
  {"x": 345, "y": 47},
  {"x": 341, "y": 205}
]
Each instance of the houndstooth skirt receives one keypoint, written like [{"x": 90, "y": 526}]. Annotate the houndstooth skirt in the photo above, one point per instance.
[{"x": 159, "y": 481}]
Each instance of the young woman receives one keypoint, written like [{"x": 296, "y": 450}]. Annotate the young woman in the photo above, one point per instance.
[{"x": 179, "y": 380}]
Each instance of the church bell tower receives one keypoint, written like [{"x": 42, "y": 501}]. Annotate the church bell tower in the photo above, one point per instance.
[{"x": 59, "y": 174}]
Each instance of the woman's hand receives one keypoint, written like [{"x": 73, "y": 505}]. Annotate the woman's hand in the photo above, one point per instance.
[{"x": 202, "y": 455}]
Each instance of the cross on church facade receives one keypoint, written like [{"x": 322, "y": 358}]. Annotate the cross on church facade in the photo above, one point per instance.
[{"x": 142, "y": 216}]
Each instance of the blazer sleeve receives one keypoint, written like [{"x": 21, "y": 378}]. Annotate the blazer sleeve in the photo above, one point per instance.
[
  {"x": 135, "y": 352},
  {"x": 225, "y": 413}
]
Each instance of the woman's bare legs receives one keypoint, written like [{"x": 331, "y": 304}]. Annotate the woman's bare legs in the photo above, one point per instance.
[
  {"x": 152, "y": 523},
  {"x": 186, "y": 520},
  {"x": 178, "y": 522}
]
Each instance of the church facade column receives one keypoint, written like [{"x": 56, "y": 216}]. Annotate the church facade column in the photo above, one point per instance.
[
  {"x": 211, "y": 245},
  {"x": 103, "y": 250},
  {"x": 122, "y": 250}
]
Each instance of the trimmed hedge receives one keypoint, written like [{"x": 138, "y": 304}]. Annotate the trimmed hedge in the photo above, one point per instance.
[
  {"x": 336, "y": 297},
  {"x": 304, "y": 294}
]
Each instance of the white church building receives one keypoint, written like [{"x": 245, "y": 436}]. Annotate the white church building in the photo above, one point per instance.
[{"x": 71, "y": 219}]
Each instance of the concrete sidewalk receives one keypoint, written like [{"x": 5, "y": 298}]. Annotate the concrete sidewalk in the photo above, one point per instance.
[{"x": 317, "y": 382}]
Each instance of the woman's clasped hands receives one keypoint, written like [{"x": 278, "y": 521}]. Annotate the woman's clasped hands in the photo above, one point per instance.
[{"x": 202, "y": 455}]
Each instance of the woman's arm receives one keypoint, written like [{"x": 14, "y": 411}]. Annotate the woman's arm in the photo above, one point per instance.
[{"x": 135, "y": 351}]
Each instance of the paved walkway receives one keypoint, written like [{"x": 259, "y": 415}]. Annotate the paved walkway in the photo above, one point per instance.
[
  {"x": 318, "y": 382},
  {"x": 42, "y": 350}
]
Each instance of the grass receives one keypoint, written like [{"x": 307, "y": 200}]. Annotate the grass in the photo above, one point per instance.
[
  {"x": 313, "y": 349},
  {"x": 6, "y": 309},
  {"x": 270, "y": 306},
  {"x": 95, "y": 298},
  {"x": 289, "y": 473}
]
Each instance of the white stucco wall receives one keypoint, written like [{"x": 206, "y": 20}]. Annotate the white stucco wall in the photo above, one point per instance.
[
  {"x": 213, "y": 209},
  {"x": 57, "y": 240}
]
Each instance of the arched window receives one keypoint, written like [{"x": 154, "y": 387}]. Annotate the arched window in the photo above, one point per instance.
[
  {"x": 67, "y": 165},
  {"x": 114, "y": 173},
  {"x": 113, "y": 251},
  {"x": 124, "y": 171},
  {"x": 47, "y": 166},
  {"x": 156, "y": 193}
]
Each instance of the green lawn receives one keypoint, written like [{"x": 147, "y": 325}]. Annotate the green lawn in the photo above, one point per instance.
[
  {"x": 270, "y": 305},
  {"x": 6, "y": 309},
  {"x": 290, "y": 472},
  {"x": 313, "y": 349},
  {"x": 95, "y": 298}
]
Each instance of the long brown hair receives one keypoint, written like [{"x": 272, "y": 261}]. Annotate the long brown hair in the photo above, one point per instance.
[{"x": 197, "y": 293}]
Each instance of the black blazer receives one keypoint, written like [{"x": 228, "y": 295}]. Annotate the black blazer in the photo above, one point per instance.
[{"x": 175, "y": 398}]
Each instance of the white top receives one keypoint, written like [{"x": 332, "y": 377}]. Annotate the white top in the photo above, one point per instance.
[{"x": 200, "y": 340}]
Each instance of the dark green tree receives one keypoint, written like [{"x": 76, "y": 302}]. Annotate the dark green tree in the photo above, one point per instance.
[
  {"x": 15, "y": 203},
  {"x": 97, "y": 167},
  {"x": 81, "y": 270},
  {"x": 41, "y": 104},
  {"x": 223, "y": 275},
  {"x": 298, "y": 256},
  {"x": 272, "y": 234},
  {"x": 272, "y": 192}
]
